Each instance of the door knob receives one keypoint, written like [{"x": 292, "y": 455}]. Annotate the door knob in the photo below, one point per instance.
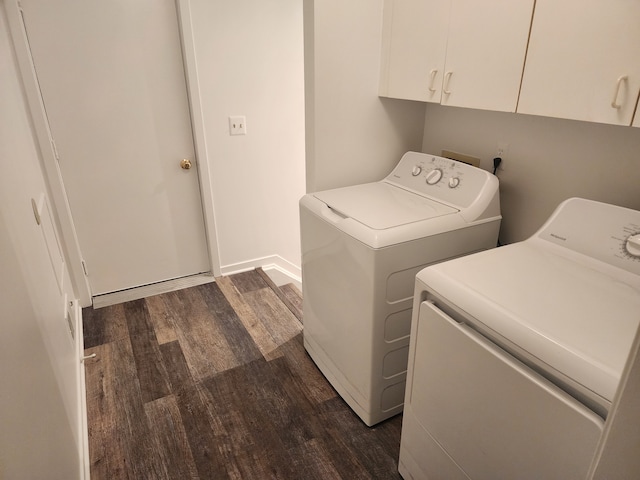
[{"x": 185, "y": 164}]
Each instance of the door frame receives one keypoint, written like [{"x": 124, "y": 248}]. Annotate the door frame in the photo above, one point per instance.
[
  {"x": 185, "y": 27},
  {"x": 49, "y": 158}
]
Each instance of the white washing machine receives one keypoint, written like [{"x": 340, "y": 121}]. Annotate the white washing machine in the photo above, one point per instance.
[
  {"x": 516, "y": 353},
  {"x": 361, "y": 249}
]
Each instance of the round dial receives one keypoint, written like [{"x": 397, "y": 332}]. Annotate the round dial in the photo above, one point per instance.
[
  {"x": 633, "y": 245},
  {"x": 434, "y": 176},
  {"x": 454, "y": 182},
  {"x": 416, "y": 170}
]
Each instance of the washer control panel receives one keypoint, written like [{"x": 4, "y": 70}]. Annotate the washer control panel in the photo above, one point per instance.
[
  {"x": 440, "y": 178},
  {"x": 605, "y": 232}
]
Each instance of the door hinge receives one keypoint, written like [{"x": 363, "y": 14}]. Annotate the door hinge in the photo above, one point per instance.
[
  {"x": 84, "y": 267},
  {"x": 55, "y": 150}
]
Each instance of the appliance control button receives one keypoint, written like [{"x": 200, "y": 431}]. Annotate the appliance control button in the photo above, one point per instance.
[
  {"x": 417, "y": 170},
  {"x": 454, "y": 182},
  {"x": 434, "y": 176},
  {"x": 633, "y": 245}
]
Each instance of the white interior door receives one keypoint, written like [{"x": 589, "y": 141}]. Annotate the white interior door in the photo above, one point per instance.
[{"x": 112, "y": 80}]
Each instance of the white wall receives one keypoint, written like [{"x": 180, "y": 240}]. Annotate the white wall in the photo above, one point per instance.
[
  {"x": 249, "y": 56},
  {"x": 40, "y": 412},
  {"x": 353, "y": 136},
  {"x": 548, "y": 160}
]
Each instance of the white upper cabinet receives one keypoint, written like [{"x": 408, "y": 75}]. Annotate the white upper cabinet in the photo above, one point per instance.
[
  {"x": 485, "y": 53},
  {"x": 456, "y": 52},
  {"x": 414, "y": 43},
  {"x": 583, "y": 61}
]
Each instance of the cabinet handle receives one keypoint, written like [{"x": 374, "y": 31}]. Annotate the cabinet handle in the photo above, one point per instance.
[
  {"x": 614, "y": 102},
  {"x": 432, "y": 80},
  {"x": 447, "y": 78}
]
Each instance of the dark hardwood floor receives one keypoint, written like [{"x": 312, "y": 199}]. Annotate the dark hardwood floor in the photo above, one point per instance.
[{"x": 212, "y": 382}]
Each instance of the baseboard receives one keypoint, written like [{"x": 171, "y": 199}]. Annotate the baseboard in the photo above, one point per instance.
[
  {"x": 280, "y": 270},
  {"x": 281, "y": 277}
]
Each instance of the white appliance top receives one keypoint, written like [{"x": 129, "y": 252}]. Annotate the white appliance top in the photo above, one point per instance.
[
  {"x": 424, "y": 194},
  {"x": 569, "y": 295},
  {"x": 381, "y": 205}
]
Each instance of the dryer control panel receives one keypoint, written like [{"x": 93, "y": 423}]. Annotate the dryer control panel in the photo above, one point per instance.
[
  {"x": 605, "y": 232},
  {"x": 441, "y": 178}
]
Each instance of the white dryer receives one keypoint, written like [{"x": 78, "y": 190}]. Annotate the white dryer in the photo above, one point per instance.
[
  {"x": 516, "y": 353},
  {"x": 361, "y": 249}
]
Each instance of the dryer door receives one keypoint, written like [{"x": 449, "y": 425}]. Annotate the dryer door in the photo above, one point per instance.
[{"x": 492, "y": 415}]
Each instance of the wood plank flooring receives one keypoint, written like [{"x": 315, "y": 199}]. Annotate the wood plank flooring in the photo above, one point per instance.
[{"x": 212, "y": 382}]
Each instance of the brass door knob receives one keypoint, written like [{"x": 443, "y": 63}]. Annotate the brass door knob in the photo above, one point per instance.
[{"x": 185, "y": 164}]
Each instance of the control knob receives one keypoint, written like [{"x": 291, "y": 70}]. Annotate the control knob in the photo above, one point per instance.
[
  {"x": 434, "y": 176},
  {"x": 633, "y": 245},
  {"x": 417, "y": 169},
  {"x": 454, "y": 182}
]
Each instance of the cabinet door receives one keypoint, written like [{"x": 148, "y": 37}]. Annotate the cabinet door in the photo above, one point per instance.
[
  {"x": 579, "y": 54},
  {"x": 485, "y": 53},
  {"x": 413, "y": 49}
]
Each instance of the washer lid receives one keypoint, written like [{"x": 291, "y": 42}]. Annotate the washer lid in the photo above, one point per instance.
[
  {"x": 568, "y": 311},
  {"x": 380, "y": 205}
]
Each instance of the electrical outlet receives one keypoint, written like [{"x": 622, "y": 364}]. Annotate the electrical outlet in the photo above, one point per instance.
[
  {"x": 238, "y": 125},
  {"x": 502, "y": 150}
]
